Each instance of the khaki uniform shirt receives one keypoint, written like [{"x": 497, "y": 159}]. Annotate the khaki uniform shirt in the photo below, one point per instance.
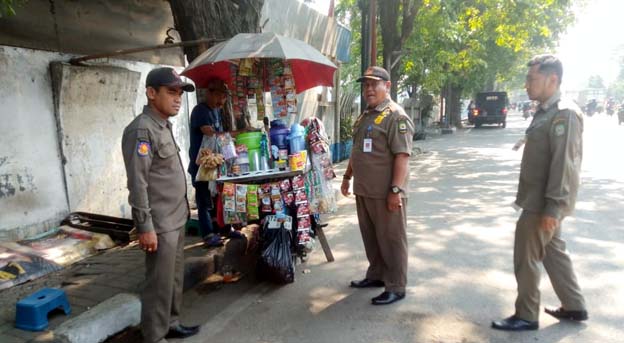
[
  {"x": 391, "y": 132},
  {"x": 551, "y": 162},
  {"x": 156, "y": 179}
]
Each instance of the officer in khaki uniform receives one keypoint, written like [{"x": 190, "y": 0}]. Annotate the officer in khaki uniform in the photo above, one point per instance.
[
  {"x": 379, "y": 164},
  {"x": 549, "y": 180},
  {"x": 157, "y": 187}
]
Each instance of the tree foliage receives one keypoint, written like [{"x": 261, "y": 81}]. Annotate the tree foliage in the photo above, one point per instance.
[
  {"x": 7, "y": 7},
  {"x": 616, "y": 89},
  {"x": 459, "y": 47}
]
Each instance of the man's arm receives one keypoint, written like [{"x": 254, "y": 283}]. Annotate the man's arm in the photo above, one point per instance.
[
  {"x": 400, "y": 138},
  {"x": 400, "y": 171},
  {"x": 138, "y": 154},
  {"x": 344, "y": 187},
  {"x": 566, "y": 150}
]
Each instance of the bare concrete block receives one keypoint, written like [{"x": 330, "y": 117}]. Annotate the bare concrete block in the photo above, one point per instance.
[{"x": 101, "y": 321}]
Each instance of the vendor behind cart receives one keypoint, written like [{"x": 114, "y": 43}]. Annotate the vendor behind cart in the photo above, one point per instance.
[{"x": 207, "y": 119}]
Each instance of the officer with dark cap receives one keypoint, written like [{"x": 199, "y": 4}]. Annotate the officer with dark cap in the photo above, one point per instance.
[
  {"x": 379, "y": 165},
  {"x": 549, "y": 181},
  {"x": 157, "y": 195}
]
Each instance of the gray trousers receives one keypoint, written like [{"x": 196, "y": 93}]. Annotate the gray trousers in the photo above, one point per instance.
[
  {"x": 161, "y": 299},
  {"x": 385, "y": 240},
  {"x": 533, "y": 245}
]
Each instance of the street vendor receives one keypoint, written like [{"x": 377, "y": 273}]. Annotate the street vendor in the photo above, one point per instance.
[
  {"x": 379, "y": 164},
  {"x": 207, "y": 119}
]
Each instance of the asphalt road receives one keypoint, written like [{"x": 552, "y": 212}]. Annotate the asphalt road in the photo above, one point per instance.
[{"x": 461, "y": 277}]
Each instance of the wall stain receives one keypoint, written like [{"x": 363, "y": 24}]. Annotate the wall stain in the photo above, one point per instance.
[
  {"x": 10, "y": 184},
  {"x": 6, "y": 187}
]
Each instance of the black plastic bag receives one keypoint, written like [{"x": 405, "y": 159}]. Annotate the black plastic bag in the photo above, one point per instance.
[{"x": 276, "y": 262}]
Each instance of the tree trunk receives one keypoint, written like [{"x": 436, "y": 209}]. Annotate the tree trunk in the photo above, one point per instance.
[
  {"x": 219, "y": 19},
  {"x": 454, "y": 104},
  {"x": 452, "y": 110},
  {"x": 394, "y": 37}
]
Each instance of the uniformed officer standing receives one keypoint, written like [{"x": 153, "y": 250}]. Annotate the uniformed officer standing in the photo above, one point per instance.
[
  {"x": 379, "y": 164},
  {"x": 549, "y": 180},
  {"x": 157, "y": 187}
]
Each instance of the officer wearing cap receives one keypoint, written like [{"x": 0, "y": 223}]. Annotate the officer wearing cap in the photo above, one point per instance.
[
  {"x": 157, "y": 195},
  {"x": 379, "y": 165},
  {"x": 549, "y": 180}
]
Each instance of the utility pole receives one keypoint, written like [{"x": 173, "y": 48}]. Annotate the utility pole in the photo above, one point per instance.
[
  {"x": 373, "y": 32},
  {"x": 365, "y": 53}
]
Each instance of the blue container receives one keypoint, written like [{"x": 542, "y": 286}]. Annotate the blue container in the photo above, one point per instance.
[
  {"x": 335, "y": 151},
  {"x": 279, "y": 134},
  {"x": 296, "y": 138},
  {"x": 348, "y": 146}
]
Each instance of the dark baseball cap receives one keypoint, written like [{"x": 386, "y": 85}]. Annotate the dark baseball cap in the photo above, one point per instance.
[
  {"x": 375, "y": 73},
  {"x": 167, "y": 77}
]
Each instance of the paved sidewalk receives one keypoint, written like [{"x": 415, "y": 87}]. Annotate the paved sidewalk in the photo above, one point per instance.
[{"x": 117, "y": 270}]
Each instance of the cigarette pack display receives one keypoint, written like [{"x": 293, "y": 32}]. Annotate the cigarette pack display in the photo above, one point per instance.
[
  {"x": 241, "y": 198},
  {"x": 303, "y": 210},
  {"x": 304, "y": 224},
  {"x": 300, "y": 197},
  {"x": 288, "y": 198},
  {"x": 285, "y": 185},
  {"x": 298, "y": 182},
  {"x": 229, "y": 197}
]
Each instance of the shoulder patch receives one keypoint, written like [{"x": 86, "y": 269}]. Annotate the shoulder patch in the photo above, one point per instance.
[
  {"x": 559, "y": 127},
  {"x": 143, "y": 148},
  {"x": 402, "y": 123}
]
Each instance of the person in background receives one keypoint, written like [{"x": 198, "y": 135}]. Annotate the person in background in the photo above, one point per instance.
[
  {"x": 549, "y": 181},
  {"x": 160, "y": 210},
  {"x": 206, "y": 120}
]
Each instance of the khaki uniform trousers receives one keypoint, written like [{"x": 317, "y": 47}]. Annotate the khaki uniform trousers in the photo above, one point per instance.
[
  {"x": 161, "y": 299},
  {"x": 533, "y": 245},
  {"x": 385, "y": 241}
]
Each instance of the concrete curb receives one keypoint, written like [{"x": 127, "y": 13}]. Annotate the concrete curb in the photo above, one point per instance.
[{"x": 101, "y": 321}]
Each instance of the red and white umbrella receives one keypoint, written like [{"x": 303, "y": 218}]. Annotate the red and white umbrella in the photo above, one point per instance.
[{"x": 309, "y": 67}]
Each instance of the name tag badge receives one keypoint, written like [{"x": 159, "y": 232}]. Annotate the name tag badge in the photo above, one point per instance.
[{"x": 368, "y": 145}]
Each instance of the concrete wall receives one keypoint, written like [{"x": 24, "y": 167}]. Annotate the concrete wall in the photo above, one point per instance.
[
  {"x": 92, "y": 26},
  {"x": 93, "y": 105},
  {"x": 33, "y": 192}
]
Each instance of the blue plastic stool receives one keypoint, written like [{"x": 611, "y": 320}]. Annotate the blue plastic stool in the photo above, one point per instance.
[{"x": 32, "y": 312}]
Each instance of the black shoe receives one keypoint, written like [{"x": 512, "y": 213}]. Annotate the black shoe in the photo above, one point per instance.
[
  {"x": 365, "y": 283},
  {"x": 560, "y": 313},
  {"x": 181, "y": 331},
  {"x": 386, "y": 298},
  {"x": 514, "y": 323}
]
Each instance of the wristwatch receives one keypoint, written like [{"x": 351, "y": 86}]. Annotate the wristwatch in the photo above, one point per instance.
[{"x": 395, "y": 189}]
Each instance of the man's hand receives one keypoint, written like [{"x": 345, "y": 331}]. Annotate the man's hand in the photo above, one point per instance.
[
  {"x": 548, "y": 223},
  {"x": 208, "y": 130},
  {"x": 393, "y": 202},
  {"x": 148, "y": 241},
  {"x": 344, "y": 187}
]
